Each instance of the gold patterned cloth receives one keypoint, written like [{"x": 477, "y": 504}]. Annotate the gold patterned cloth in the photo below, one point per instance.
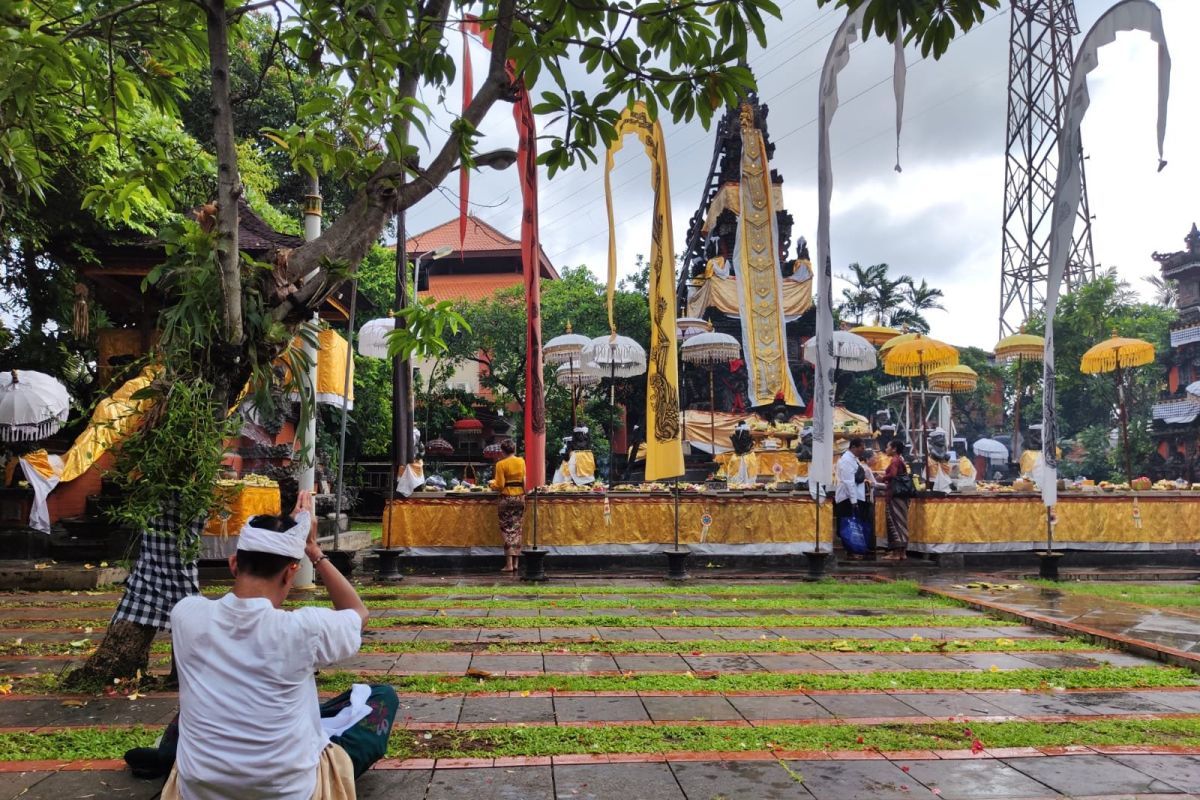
[
  {"x": 1151, "y": 520},
  {"x": 722, "y": 294},
  {"x": 567, "y": 520},
  {"x": 664, "y": 432},
  {"x": 760, "y": 281},
  {"x": 236, "y": 506},
  {"x": 764, "y": 465}
]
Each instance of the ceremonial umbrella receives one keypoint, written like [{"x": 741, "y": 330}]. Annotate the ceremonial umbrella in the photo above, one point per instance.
[
  {"x": 990, "y": 449},
  {"x": 895, "y": 340},
  {"x": 957, "y": 379},
  {"x": 916, "y": 357},
  {"x": 876, "y": 334},
  {"x": 33, "y": 405},
  {"x": 1194, "y": 389},
  {"x": 1115, "y": 355},
  {"x": 687, "y": 327},
  {"x": 1019, "y": 347},
  {"x": 565, "y": 349},
  {"x": 493, "y": 452},
  {"x": 618, "y": 357},
  {"x": 576, "y": 379},
  {"x": 707, "y": 350},
  {"x": 372, "y": 337},
  {"x": 851, "y": 352}
]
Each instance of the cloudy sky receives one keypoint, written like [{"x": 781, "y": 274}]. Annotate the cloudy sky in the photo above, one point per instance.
[{"x": 941, "y": 218}]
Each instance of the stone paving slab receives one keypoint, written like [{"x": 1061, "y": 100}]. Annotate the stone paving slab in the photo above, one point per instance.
[
  {"x": 600, "y": 709},
  {"x": 1182, "y": 772},
  {"x": 969, "y": 780},
  {"x": 859, "y": 780},
  {"x": 737, "y": 779},
  {"x": 683, "y": 709},
  {"x": 526, "y": 783},
  {"x": 629, "y": 782},
  {"x": 1093, "y": 775}
]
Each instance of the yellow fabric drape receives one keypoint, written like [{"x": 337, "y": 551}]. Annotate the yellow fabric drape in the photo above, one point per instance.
[
  {"x": 579, "y": 521},
  {"x": 764, "y": 463},
  {"x": 114, "y": 419},
  {"x": 764, "y": 339},
  {"x": 331, "y": 369},
  {"x": 236, "y": 505},
  {"x": 722, "y": 294},
  {"x": 664, "y": 440}
]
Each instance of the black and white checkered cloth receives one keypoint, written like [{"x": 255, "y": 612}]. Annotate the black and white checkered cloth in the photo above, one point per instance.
[{"x": 160, "y": 578}]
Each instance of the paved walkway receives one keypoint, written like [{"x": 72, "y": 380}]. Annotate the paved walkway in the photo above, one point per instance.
[
  {"x": 1168, "y": 634},
  {"x": 1155, "y": 771},
  {"x": 1082, "y": 774}
]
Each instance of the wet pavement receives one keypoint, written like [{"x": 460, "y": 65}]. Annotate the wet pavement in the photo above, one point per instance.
[
  {"x": 1173, "y": 633},
  {"x": 1023, "y": 772}
]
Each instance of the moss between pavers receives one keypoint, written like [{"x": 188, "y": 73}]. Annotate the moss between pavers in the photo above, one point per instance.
[
  {"x": 109, "y": 743},
  {"x": 1029, "y": 679},
  {"x": 551, "y": 741},
  {"x": 765, "y": 645},
  {"x": 765, "y": 621}
]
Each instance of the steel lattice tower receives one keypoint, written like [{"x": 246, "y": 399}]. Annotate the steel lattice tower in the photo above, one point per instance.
[{"x": 1040, "y": 56}]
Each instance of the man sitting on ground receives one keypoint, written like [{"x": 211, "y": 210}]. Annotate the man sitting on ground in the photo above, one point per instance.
[{"x": 249, "y": 722}]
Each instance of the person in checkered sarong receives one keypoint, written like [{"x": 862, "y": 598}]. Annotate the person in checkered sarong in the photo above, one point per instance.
[{"x": 161, "y": 578}]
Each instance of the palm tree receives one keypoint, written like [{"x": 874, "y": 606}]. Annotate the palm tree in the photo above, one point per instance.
[
  {"x": 1166, "y": 291},
  {"x": 917, "y": 298},
  {"x": 856, "y": 300}
]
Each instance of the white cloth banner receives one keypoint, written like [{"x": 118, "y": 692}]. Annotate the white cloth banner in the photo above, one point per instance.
[
  {"x": 1127, "y": 15},
  {"x": 350, "y": 714},
  {"x": 825, "y": 364},
  {"x": 42, "y": 485}
]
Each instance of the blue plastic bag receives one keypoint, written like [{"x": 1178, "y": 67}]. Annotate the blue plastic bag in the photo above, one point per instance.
[{"x": 854, "y": 538}]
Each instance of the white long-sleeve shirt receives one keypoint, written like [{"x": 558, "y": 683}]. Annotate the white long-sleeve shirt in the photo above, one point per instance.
[{"x": 847, "y": 467}]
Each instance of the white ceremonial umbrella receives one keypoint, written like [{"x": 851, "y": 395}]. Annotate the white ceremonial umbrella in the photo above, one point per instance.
[
  {"x": 372, "y": 337},
  {"x": 851, "y": 352},
  {"x": 990, "y": 449},
  {"x": 33, "y": 405},
  {"x": 576, "y": 379},
  {"x": 687, "y": 327},
  {"x": 565, "y": 349},
  {"x": 616, "y": 356},
  {"x": 709, "y": 349},
  {"x": 1194, "y": 389}
]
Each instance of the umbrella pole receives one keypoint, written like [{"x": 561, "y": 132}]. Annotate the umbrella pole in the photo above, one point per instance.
[
  {"x": 574, "y": 395},
  {"x": 1016, "y": 440},
  {"x": 924, "y": 440},
  {"x": 1124, "y": 425},
  {"x": 612, "y": 428},
  {"x": 712, "y": 413}
]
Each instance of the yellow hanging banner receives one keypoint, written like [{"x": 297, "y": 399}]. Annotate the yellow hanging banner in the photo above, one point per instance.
[{"x": 664, "y": 440}]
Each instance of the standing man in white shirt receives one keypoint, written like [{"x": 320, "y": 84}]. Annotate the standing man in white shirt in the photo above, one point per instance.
[
  {"x": 250, "y": 725},
  {"x": 850, "y": 476}
]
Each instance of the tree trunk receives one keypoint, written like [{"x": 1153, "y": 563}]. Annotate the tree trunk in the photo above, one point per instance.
[
  {"x": 124, "y": 652},
  {"x": 229, "y": 187}
]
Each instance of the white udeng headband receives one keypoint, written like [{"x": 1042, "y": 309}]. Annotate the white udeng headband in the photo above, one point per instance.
[{"x": 288, "y": 543}]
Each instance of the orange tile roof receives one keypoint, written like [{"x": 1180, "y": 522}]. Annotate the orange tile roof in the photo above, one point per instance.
[
  {"x": 480, "y": 236},
  {"x": 482, "y": 240},
  {"x": 471, "y": 288}
]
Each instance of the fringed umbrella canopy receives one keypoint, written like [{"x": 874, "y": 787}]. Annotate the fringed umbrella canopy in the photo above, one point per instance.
[
  {"x": 1021, "y": 345},
  {"x": 439, "y": 447},
  {"x": 990, "y": 449},
  {"x": 616, "y": 356},
  {"x": 710, "y": 348},
  {"x": 901, "y": 339},
  {"x": 959, "y": 378},
  {"x": 876, "y": 334},
  {"x": 493, "y": 452},
  {"x": 1116, "y": 352},
  {"x": 852, "y": 352},
  {"x": 577, "y": 376},
  {"x": 33, "y": 405},
  {"x": 372, "y": 337},
  {"x": 687, "y": 327},
  {"x": 565, "y": 349},
  {"x": 918, "y": 356}
]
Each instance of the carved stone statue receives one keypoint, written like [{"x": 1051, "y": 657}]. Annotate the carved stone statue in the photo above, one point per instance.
[{"x": 741, "y": 441}]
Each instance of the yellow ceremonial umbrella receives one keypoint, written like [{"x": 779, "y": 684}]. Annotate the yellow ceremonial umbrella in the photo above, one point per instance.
[
  {"x": 1019, "y": 347},
  {"x": 916, "y": 357},
  {"x": 876, "y": 334},
  {"x": 1114, "y": 355},
  {"x": 959, "y": 378},
  {"x": 895, "y": 340}
]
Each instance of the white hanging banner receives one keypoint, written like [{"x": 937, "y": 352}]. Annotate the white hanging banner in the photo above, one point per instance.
[
  {"x": 899, "y": 79},
  {"x": 1127, "y": 15},
  {"x": 821, "y": 470}
]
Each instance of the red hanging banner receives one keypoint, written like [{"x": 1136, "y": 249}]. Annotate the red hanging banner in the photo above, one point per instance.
[{"x": 535, "y": 398}]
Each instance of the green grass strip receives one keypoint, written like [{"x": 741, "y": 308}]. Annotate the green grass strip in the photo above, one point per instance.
[
  {"x": 764, "y": 621},
  {"x": 1184, "y": 596},
  {"x": 111, "y": 743},
  {"x": 826, "y": 588},
  {"x": 1029, "y": 679},
  {"x": 666, "y": 604},
  {"x": 552, "y": 741},
  {"x": 751, "y": 646}
]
